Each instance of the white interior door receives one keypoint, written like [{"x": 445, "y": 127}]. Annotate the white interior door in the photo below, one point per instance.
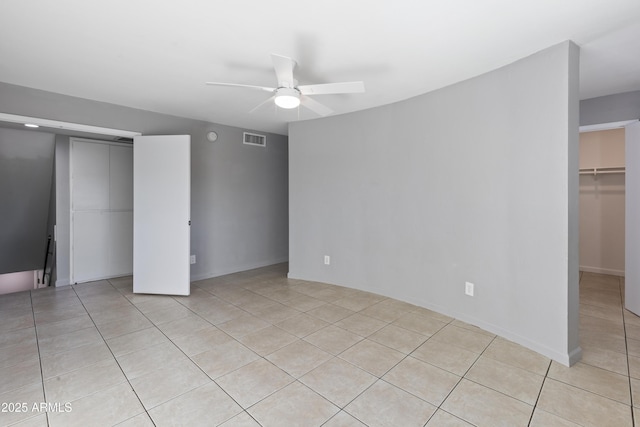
[{"x": 161, "y": 214}]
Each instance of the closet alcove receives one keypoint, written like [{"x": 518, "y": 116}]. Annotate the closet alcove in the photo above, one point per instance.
[{"x": 602, "y": 201}]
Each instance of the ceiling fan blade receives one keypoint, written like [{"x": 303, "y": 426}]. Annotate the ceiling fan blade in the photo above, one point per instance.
[
  {"x": 257, "y": 107},
  {"x": 284, "y": 70},
  {"x": 331, "y": 88},
  {"x": 266, "y": 89},
  {"x": 316, "y": 107}
]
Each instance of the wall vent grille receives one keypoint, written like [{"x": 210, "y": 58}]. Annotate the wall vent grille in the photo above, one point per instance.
[{"x": 254, "y": 139}]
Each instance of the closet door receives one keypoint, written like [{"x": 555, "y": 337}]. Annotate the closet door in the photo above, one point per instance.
[
  {"x": 120, "y": 178},
  {"x": 121, "y": 210},
  {"x": 89, "y": 206},
  {"x": 89, "y": 176},
  {"x": 120, "y": 244},
  {"x": 90, "y": 245},
  {"x": 101, "y": 210}
]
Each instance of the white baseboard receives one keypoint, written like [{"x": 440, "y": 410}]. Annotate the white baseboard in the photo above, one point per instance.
[
  {"x": 62, "y": 282},
  {"x": 566, "y": 358},
  {"x": 575, "y": 356},
  {"x": 600, "y": 270},
  {"x": 237, "y": 268}
]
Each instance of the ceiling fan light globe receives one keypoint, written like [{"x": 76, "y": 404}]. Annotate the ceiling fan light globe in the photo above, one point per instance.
[
  {"x": 287, "y": 98},
  {"x": 287, "y": 101}
]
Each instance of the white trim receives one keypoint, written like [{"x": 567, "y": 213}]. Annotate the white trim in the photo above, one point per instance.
[
  {"x": 237, "y": 268},
  {"x": 606, "y": 126},
  {"x": 600, "y": 270},
  {"x": 575, "y": 356},
  {"x": 13, "y": 118},
  {"x": 566, "y": 358},
  {"x": 99, "y": 141}
]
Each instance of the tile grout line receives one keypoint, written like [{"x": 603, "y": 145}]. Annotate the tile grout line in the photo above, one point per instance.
[
  {"x": 463, "y": 377},
  {"x": 336, "y": 356},
  {"x": 35, "y": 329},
  {"x": 614, "y": 351},
  {"x": 404, "y": 358},
  {"x": 111, "y": 351},
  {"x": 198, "y": 366},
  {"x": 295, "y": 380},
  {"x": 438, "y": 407},
  {"x": 626, "y": 345},
  {"x": 187, "y": 356},
  {"x": 192, "y": 361},
  {"x": 245, "y": 410},
  {"x": 545, "y": 377},
  {"x": 535, "y": 405},
  {"x": 626, "y": 353}
]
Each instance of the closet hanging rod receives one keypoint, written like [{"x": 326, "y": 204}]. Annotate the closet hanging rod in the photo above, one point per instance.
[{"x": 601, "y": 171}]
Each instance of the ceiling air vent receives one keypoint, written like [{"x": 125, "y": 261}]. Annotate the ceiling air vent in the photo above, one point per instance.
[
  {"x": 255, "y": 139},
  {"x": 123, "y": 139}
]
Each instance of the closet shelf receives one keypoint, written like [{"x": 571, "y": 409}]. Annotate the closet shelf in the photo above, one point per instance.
[{"x": 601, "y": 171}]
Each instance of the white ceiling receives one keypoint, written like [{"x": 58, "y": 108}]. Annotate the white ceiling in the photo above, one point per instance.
[{"x": 157, "y": 54}]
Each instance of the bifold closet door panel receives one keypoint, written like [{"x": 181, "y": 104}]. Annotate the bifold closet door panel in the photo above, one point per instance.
[
  {"x": 90, "y": 245},
  {"x": 89, "y": 176},
  {"x": 121, "y": 179},
  {"x": 121, "y": 245}
]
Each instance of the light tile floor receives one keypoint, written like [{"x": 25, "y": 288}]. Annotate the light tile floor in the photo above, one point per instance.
[{"x": 255, "y": 348}]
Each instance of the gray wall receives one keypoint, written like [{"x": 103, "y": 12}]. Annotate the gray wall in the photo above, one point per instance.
[
  {"x": 239, "y": 192},
  {"x": 611, "y": 108},
  {"x": 26, "y": 168},
  {"x": 474, "y": 182},
  {"x": 239, "y": 208}
]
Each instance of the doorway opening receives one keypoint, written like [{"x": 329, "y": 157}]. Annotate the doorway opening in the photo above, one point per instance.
[{"x": 602, "y": 201}]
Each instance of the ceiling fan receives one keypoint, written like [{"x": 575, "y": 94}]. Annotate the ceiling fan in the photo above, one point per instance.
[{"x": 289, "y": 95}]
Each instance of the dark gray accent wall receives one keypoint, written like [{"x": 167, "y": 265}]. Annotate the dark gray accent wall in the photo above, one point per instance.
[
  {"x": 51, "y": 223},
  {"x": 239, "y": 192},
  {"x": 611, "y": 108},
  {"x": 474, "y": 182},
  {"x": 26, "y": 169}
]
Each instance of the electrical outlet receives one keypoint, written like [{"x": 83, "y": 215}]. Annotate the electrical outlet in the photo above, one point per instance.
[
  {"x": 327, "y": 260},
  {"x": 193, "y": 259},
  {"x": 468, "y": 288}
]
